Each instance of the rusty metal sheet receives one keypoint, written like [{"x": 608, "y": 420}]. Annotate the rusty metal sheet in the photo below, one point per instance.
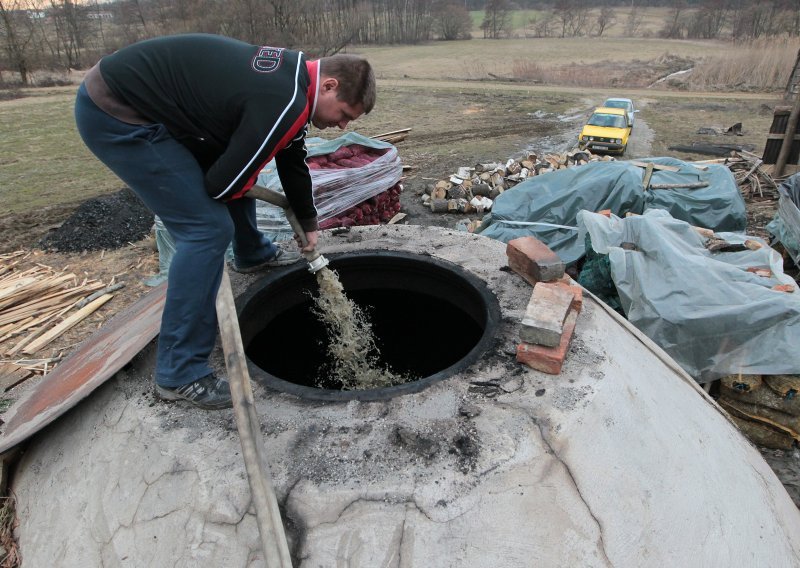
[{"x": 94, "y": 362}]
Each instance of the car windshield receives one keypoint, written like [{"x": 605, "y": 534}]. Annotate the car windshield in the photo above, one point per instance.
[
  {"x": 611, "y": 120},
  {"x": 617, "y": 104}
]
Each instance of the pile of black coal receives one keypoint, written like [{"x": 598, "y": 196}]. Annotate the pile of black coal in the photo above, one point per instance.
[{"x": 105, "y": 222}]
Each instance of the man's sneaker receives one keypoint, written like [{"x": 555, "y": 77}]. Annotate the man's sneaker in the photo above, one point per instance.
[
  {"x": 282, "y": 258},
  {"x": 209, "y": 392}
]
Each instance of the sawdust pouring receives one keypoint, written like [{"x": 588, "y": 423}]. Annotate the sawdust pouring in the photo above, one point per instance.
[{"x": 352, "y": 349}]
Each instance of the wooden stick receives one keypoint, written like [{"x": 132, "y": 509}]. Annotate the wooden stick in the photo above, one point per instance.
[
  {"x": 106, "y": 290},
  {"x": 696, "y": 185},
  {"x": 268, "y": 515},
  {"x": 392, "y": 133},
  {"x": 662, "y": 167},
  {"x": 648, "y": 174}
]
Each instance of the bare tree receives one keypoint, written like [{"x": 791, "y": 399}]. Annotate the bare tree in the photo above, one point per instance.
[
  {"x": 496, "y": 18},
  {"x": 544, "y": 25},
  {"x": 633, "y": 22},
  {"x": 607, "y": 17},
  {"x": 708, "y": 20},
  {"x": 674, "y": 24},
  {"x": 17, "y": 36},
  {"x": 71, "y": 28},
  {"x": 572, "y": 16},
  {"x": 452, "y": 20}
]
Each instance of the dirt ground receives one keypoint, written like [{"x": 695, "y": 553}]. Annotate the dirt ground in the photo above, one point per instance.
[{"x": 430, "y": 154}]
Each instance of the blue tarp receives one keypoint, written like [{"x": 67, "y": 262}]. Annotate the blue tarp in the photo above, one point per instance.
[{"x": 546, "y": 206}]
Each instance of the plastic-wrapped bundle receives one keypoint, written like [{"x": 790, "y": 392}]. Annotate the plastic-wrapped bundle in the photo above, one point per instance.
[
  {"x": 345, "y": 172},
  {"x": 351, "y": 175}
]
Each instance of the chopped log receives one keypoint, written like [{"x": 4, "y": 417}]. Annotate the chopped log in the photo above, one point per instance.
[
  {"x": 439, "y": 205},
  {"x": 438, "y": 193},
  {"x": 457, "y": 192},
  {"x": 481, "y": 189}
]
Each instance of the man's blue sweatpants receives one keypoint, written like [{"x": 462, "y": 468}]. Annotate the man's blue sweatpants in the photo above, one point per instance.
[{"x": 166, "y": 176}]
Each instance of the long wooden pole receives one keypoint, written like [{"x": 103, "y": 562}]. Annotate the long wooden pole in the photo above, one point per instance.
[
  {"x": 268, "y": 515},
  {"x": 788, "y": 138}
]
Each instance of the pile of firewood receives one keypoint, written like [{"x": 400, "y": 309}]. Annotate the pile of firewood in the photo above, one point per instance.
[
  {"x": 37, "y": 305},
  {"x": 473, "y": 190},
  {"x": 754, "y": 183}
]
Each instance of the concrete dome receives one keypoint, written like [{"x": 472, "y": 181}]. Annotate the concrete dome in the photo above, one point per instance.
[{"x": 621, "y": 460}]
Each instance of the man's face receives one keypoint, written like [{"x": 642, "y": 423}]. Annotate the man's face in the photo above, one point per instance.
[{"x": 331, "y": 111}]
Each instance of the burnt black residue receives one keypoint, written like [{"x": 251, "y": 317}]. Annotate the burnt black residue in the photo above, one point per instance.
[
  {"x": 466, "y": 449},
  {"x": 102, "y": 223},
  {"x": 430, "y": 446}
]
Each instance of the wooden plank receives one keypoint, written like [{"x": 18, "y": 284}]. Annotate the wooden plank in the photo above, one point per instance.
[
  {"x": 11, "y": 375},
  {"x": 662, "y": 167},
  {"x": 648, "y": 174},
  {"x": 67, "y": 323},
  {"x": 97, "y": 359}
]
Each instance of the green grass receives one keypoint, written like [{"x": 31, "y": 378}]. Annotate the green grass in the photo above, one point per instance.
[
  {"x": 43, "y": 161},
  {"x": 520, "y": 19}
]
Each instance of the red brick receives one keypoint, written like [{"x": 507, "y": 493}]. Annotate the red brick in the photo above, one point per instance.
[
  {"x": 543, "y": 322},
  {"x": 533, "y": 260},
  {"x": 548, "y": 359},
  {"x": 575, "y": 288}
]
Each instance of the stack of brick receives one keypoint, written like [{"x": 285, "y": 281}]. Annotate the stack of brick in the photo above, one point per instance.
[{"x": 549, "y": 322}]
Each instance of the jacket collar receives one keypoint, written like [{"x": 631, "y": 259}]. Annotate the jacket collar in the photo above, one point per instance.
[{"x": 311, "y": 94}]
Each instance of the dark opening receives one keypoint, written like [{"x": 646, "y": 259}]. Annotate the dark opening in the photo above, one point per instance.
[{"x": 431, "y": 319}]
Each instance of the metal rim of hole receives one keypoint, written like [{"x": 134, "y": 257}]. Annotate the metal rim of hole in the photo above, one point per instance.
[{"x": 483, "y": 302}]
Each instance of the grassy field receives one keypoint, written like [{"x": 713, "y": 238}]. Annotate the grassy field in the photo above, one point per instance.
[
  {"x": 476, "y": 58},
  {"x": 430, "y": 88},
  {"x": 43, "y": 161}
]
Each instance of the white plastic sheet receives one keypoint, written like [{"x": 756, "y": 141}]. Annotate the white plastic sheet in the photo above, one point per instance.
[{"x": 705, "y": 309}]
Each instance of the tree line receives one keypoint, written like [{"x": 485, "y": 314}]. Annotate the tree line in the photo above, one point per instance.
[{"x": 65, "y": 34}]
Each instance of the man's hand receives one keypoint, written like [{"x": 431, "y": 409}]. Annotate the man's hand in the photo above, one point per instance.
[{"x": 312, "y": 237}]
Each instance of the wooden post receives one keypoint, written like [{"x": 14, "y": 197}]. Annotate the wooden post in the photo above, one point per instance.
[
  {"x": 788, "y": 138},
  {"x": 268, "y": 515}
]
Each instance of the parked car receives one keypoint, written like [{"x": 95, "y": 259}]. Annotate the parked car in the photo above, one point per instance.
[
  {"x": 626, "y": 105},
  {"x": 607, "y": 130}
]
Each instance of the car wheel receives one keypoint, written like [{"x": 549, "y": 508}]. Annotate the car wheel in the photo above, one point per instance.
[{"x": 622, "y": 152}]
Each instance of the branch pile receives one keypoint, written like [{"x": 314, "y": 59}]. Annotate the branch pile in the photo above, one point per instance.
[
  {"x": 755, "y": 184},
  {"x": 473, "y": 190},
  {"x": 37, "y": 305}
]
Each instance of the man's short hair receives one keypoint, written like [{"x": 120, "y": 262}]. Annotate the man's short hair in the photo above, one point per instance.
[{"x": 355, "y": 76}]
